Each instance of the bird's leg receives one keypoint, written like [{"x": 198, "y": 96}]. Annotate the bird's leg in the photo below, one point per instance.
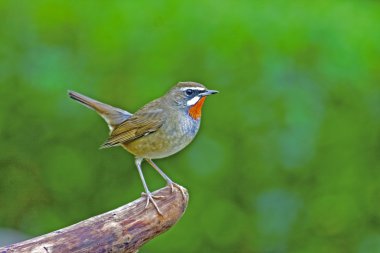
[
  {"x": 167, "y": 179},
  {"x": 148, "y": 194}
]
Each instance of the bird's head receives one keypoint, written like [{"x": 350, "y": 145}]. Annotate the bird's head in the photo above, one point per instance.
[{"x": 190, "y": 96}]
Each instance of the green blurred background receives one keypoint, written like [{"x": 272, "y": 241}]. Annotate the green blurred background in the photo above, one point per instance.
[{"x": 288, "y": 155}]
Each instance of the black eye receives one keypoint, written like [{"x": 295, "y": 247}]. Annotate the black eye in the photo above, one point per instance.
[{"x": 189, "y": 92}]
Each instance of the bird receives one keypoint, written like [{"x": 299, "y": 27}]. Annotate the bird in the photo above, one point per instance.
[{"x": 157, "y": 130}]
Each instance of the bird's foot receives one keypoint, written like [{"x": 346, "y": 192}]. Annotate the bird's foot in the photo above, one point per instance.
[
  {"x": 150, "y": 198},
  {"x": 172, "y": 185}
]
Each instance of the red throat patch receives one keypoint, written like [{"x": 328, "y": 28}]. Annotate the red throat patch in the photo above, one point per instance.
[{"x": 196, "y": 110}]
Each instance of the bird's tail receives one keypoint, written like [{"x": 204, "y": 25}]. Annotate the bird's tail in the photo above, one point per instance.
[{"x": 112, "y": 115}]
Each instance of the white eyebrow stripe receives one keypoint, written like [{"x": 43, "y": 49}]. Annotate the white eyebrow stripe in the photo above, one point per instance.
[
  {"x": 193, "y": 101},
  {"x": 193, "y": 88}
]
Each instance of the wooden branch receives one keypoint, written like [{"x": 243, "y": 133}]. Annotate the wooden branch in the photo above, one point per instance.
[{"x": 124, "y": 229}]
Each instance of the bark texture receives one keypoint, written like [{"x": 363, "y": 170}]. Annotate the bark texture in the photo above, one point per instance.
[{"x": 124, "y": 229}]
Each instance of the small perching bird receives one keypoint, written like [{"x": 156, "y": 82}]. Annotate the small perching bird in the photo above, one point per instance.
[{"x": 159, "y": 129}]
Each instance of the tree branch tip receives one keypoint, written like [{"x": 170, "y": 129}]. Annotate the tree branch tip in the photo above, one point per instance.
[{"x": 122, "y": 230}]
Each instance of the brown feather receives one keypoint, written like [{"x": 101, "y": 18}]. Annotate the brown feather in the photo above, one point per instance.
[
  {"x": 145, "y": 121},
  {"x": 112, "y": 115}
]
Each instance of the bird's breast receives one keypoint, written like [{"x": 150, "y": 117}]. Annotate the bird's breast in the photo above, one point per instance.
[{"x": 175, "y": 134}]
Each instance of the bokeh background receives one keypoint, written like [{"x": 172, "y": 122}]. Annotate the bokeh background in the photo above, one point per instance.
[{"x": 288, "y": 155}]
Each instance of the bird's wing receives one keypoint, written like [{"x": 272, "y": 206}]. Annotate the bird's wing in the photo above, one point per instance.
[
  {"x": 140, "y": 124},
  {"x": 112, "y": 115}
]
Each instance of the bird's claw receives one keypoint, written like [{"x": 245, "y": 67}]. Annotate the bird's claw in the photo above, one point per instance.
[
  {"x": 172, "y": 185},
  {"x": 143, "y": 194},
  {"x": 150, "y": 198}
]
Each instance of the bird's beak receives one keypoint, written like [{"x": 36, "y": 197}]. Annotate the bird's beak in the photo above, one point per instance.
[{"x": 209, "y": 92}]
